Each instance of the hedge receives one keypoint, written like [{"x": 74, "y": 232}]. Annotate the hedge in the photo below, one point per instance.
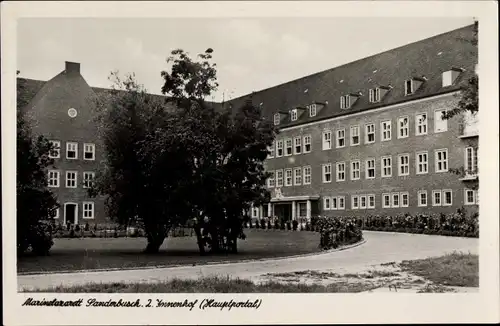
[{"x": 338, "y": 231}]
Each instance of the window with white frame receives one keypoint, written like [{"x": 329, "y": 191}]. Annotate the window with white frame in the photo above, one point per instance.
[
  {"x": 345, "y": 102},
  {"x": 55, "y": 213},
  {"x": 341, "y": 202},
  {"x": 279, "y": 178},
  {"x": 71, "y": 150},
  {"x": 374, "y": 95},
  {"x": 354, "y": 135},
  {"x": 404, "y": 127},
  {"x": 405, "y": 199},
  {"x": 422, "y": 198},
  {"x": 327, "y": 203},
  {"x": 370, "y": 133},
  {"x": 271, "y": 181},
  {"x": 354, "y": 202},
  {"x": 327, "y": 173},
  {"x": 408, "y": 87},
  {"x": 88, "y": 179},
  {"x": 470, "y": 161},
  {"x": 297, "y": 145},
  {"x": 288, "y": 147},
  {"x": 55, "y": 152},
  {"x": 371, "y": 201},
  {"x": 385, "y": 130},
  {"x": 277, "y": 119},
  {"x": 386, "y": 163},
  {"x": 340, "y": 138},
  {"x": 312, "y": 110},
  {"x": 288, "y": 177},
  {"x": 395, "y": 200},
  {"x": 340, "y": 171},
  {"x": 307, "y": 143},
  {"x": 441, "y": 157},
  {"x": 440, "y": 124},
  {"x": 89, "y": 152},
  {"x": 386, "y": 200},
  {"x": 447, "y": 197},
  {"x": 469, "y": 197},
  {"x": 293, "y": 115},
  {"x": 271, "y": 151},
  {"x": 421, "y": 124},
  {"x": 53, "y": 179},
  {"x": 436, "y": 198},
  {"x": 335, "y": 205},
  {"x": 255, "y": 212},
  {"x": 307, "y": 175},
  {"x": 71, "y": 178},
  {"x": 88, "y": 209},
  {"x": 355, "y": 170},
  {"x": 279, "y": 148},
  {"x": 297, "y": 176},
  {"x": 363, "y": 204},
  {"x": 327, "y": 139},
  {"x": 370, "y": 168},
  {"x": 404, "y": 164},
  {"x": 422, "y": 162}
]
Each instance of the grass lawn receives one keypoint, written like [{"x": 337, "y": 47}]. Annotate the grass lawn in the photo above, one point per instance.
[
  {"x": 456, "y": 269},
  {"x": 123, "y": 253}
]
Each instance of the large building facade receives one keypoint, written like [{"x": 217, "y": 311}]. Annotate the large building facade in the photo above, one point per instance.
[{"x": 364, "y": 138}]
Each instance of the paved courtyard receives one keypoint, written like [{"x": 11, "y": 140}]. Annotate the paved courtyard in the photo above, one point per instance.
[{"x": 379, "y": 248}]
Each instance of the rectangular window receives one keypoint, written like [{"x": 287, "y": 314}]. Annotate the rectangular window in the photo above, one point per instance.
[
  {"x": 404, "y": 164},
  {"x": 276, "y": 119},
  {"x": 422, "y": 198},
  {"x": 288, "y": 147},
  {"x": 421, "y": 124},
  {"x": 88, "y": 179},
  {"x": 371, "y": 201},
  {"x": 345, "y": 102},
  {"x": 71, "y": 177},
  {"x": 327, "y": 203},
  {"x": 89, "y": 152},
  {"x": 405, "y": 199},
  {"x": 386, "y": 162},
  {"x": 297, "y": 176},
  {"x": 327, "y": 173},
  {"x": 422, "y": 162},
  {"x": 447, "y": 197},
  {"x": 88, "y": 209},
  {"x": 386, "y": 200},
  {"x": 56, "y": 149},
  {"x": 354, "y": 202},
  {"x": 362, "y": 202},
  {"x": 436, "y": 198},
  {"x": 408, "y": 87},
  {"x": 374, "y": 95},
  {"x": 440, "y": 124},
  {"x": 354, "y": 135},
  {"x": 340, "y": 171},
  {"x": 297, "y": 145},
  {"x": 370, "y": 133},
  {"x": 55, "y": 213},
  {"x": 279, "y": 178},
  {"x": 327, "y": 139},
  {"x": 288, "y": 177},
  {"x": 335, "y": 205},
  {"x": 469, "y": 197},
  {"x": 307, "y": 144},
  {"x": 271, "y": 151},
  {"x": 385, "y": 130},
  {"x": 370, "y": 168},
  {"x": 355, "y": 170},
  {"x": 71, "y": 150},
  {"x": 341, "y": 202},
  {"x": 293, "y": 115},
  {"x": 307, "y": 175},
  {"x": 395, "y": 200},
  {"x": 279, "y": 148},
  {"x": 53, "y": 180},
  {"x": 441, "y": 157},
  {"x": 470, "y": 161},
  {"x": 340, "y": 138},
  {"x": 404, "y": 127},
  {"x": 271, "y": 181},
  {"x": 312, "y": 110}
]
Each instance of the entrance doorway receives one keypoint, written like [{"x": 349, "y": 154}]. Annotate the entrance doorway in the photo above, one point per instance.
[
  {"x": 70, "y": 213},
  {"x": 283, "y": 211}
]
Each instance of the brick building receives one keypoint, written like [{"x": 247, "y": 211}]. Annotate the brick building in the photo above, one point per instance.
[{"x": 363, "y": 138}]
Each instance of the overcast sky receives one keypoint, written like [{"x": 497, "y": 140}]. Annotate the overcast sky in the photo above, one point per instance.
[{"x": 251, "y": 54}]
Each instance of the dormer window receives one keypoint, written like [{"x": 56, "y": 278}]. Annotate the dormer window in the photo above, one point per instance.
[
  {"x": 293, "y": 115},
  {"x": 312, "y": 110},
  {"x": 276, "y": 119},
  {"x": 345, "y": 101},
  {"x": 449, "y": 77},
  {"x": 408, "y": 87},
  {"x": 412, "y": 85},
  {"x": 374, "y": 95}
]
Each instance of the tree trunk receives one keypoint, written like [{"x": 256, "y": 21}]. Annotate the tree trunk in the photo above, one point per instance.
[
  {"x": 199, "y": 238},
  {"x": 155, "y": 239}
]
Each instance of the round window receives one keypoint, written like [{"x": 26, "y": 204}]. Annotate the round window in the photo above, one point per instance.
[{"x": 72, "y": 113}]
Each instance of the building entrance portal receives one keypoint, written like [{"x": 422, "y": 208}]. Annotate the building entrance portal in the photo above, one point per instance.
[{"x": 283, "y": 211}]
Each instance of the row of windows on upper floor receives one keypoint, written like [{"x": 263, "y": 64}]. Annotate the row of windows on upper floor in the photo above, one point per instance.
[
  {"x": 72, "y": 150},
  {"x": 303, "y": 144},
  {"x": 303, "y": 175},
  {"x": 375, "y": 95},
  {"x": 54, "y": 176}
]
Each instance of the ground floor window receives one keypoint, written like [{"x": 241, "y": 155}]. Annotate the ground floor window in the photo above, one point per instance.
[
  {"x": 302, "y": 209},
  {"x": 469, "y": 197},
  {"x": 88, "y": 209}
]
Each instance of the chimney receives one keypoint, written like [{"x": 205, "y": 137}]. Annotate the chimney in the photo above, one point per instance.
[{"x": 72, "y": 67}]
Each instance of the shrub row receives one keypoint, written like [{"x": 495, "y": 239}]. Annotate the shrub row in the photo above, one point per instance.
[
  {"x": 276, "y": 224},
  {"x": 337, "y": 231}
]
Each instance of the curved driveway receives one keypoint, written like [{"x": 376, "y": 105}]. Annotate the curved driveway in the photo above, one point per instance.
[{"x": 380, "y": 247}]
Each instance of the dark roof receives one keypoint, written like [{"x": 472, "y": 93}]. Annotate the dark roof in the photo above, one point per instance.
[{"x": 428, "y": 58}]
